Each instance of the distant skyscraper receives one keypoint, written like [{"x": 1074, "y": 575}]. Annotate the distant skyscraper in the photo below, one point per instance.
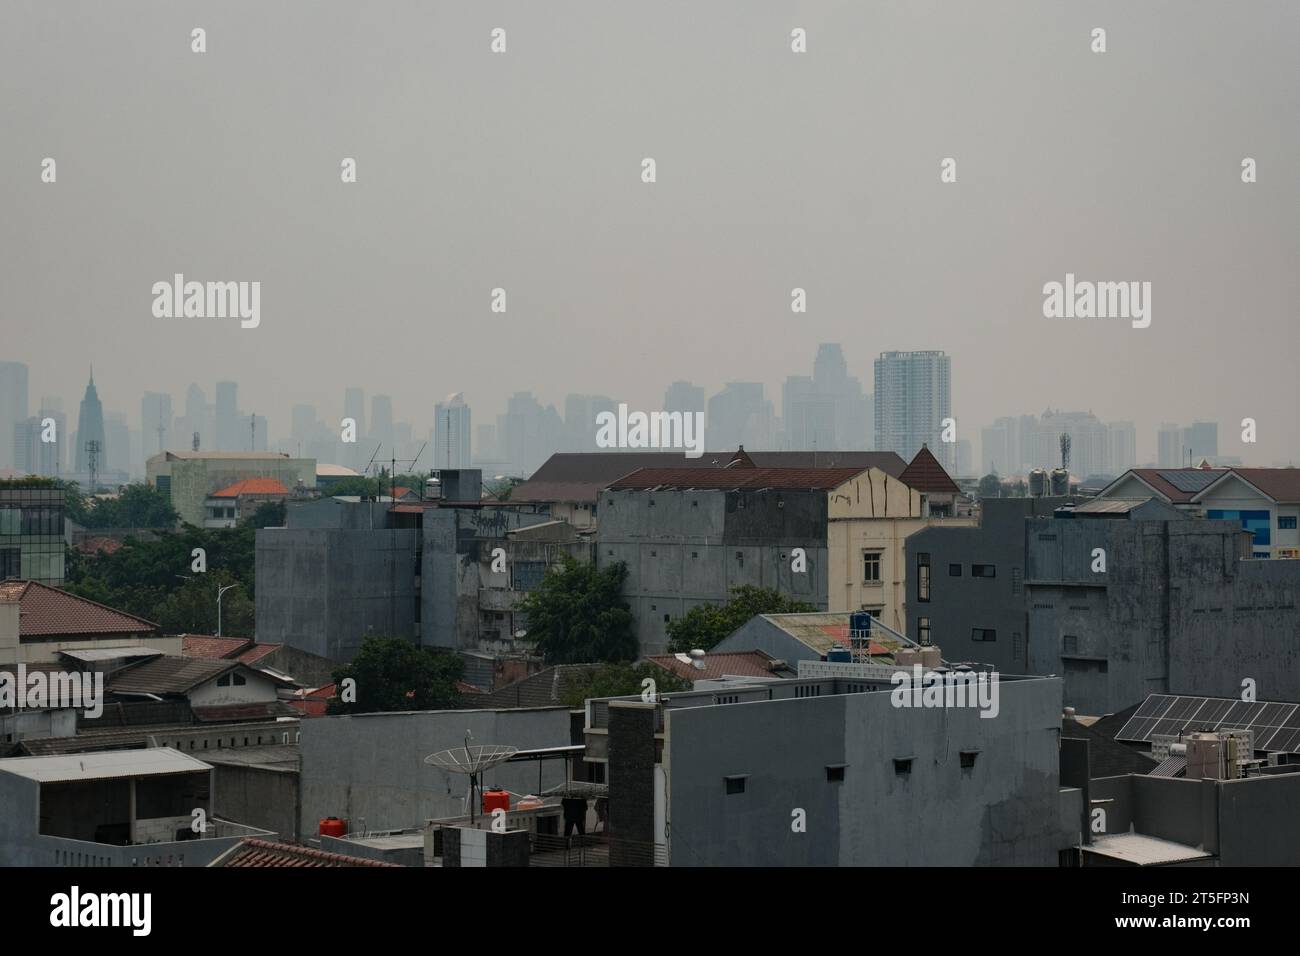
[
  {"x": 528, "y": 433},
  {"x": 965, "y": 467},
  {"x": 740, "y": 415},
  {"x": 13, "y": 407},
  {"x": 90, "y": 427},
  {"x": 1000, "y": 448},
  {"x": 913, "y": 397},
  {"x": 117, "y": 438},
  {"x": 485, "y": 443},
  {"x": 53, "y": 459},
  {"x": 302, "y": 422},
  {"x": 27, "y": 448},
  {"x": 684, "y": 397},
  {"x": 156, "y": 422},
  {"x": 232, "y": 434},
  {"x": 1123, "y": 447},
  {"x": 451, "y": 431},
  {"x": 1169, "y": 446},
  {"x": 580, "y": 413},
  {"x": 1089, "y": 442},
  {"x": 381, "y": 425},
  {"x": 1200, "y": 440},
  {"x": 354, "y": 407}
]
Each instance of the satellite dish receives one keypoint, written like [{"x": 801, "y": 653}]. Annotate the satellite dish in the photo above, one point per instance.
[{"x": 471, "y": 760}]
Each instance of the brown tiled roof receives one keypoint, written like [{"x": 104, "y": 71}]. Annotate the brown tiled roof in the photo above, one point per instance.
[
  {"x": 97, "y": 544},
  {"x": 581, "y": 476},
  {"x": 1152, "y": 476},
  {"x": 741, "y": 664},
  {"x": 252, "y": 486},
  {"x": 213, "y": 648},
  {"x": 262, "y": 710},
  {"x": 168, "y": 675},
  {"x": 738, "y": 479},
  {"x": 1280, "y": 484},
  {"x": 546, "y": 688},
  {"x": 252, "y": 852},
  {"x": 926, "y": 474},
  {"x": 256, "y": 653},
  {"x": 52, "y": 611}
]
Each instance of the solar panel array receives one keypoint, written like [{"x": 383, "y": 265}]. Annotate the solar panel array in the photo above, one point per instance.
[
  {"x": 1190, "y": 481},
  {"x": 1276, "y": 726}
]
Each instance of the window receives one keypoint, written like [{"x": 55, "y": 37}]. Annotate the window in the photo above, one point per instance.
[
  {"x": 835, "y": 773},
  {"x": 871, "y": 566},
  {"x": 223, "y": 680},
  {"x": 923, "y": 576},
  {"x": 954, "y": 570},
  {"x": 985, "y": 634},
  {"x": 240, "y": 680},
  {"x": 923, "y": 631},
  {"x": 740, "y": 558},
  {"x": 666, "y": 618},
  {"x": 1017, "y": 581},
  {"x": 735, "y": 785},
  {"x": 1017, "y": 644},
  {"x": 695, "y": 554},
  {"x": 1286, "y": 523},
  {"x": 968, "y": 759},
  {"x": 527, "y": 574},
  {"x": 902, "y": 765},
  {"x": 11, "y": 563},
  {"x": 983, "y": 571},
  {"x": 652, "y": 502}
]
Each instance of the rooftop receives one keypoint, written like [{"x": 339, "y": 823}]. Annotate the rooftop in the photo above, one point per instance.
[
  {"x": 738, "y": 664},
  {"x": 253, "y": 852},
  {"x": 252, "y": 486},
  {"x": 48, "y": 611},
  {"x": 924, "y": 473},
  {"x": 735, "y": 479},
  {"x": 1142, "y": 850},
  {"x": 112, "y": 764}
]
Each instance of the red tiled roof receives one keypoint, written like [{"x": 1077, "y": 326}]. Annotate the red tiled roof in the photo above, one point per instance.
[
  {"x": 256, "y": 653},
  {"x": 268, "y": 853},
  {"x": 213, "y": 648},
  {"x": 736, "y": 479},
  {"x": 252, "y": 486},
  {"x": 97, "y": 544},
  {"x": 926, "y": 474},
  {"x": 741, "y": 664},
  {"x": 50, "y": 611}
]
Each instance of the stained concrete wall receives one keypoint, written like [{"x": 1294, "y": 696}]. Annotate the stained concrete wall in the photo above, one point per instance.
[
  {"x": 371, "y": 766},
  {"x": 684, "y": 548},
  {"x": 1006, "y": 810},
  {"x": 322, "y": 590},
  {"x": 1177, "y": 610},
  {"x": 258, "y": 797}
]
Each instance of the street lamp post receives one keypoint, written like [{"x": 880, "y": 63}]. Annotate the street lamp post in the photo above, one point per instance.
[{"x": 220, "y": 592}]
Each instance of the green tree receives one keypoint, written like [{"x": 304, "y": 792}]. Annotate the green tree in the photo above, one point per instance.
[
  {"x": 345, "y": 487},
  {"x": 622, "y": 680},
  {"x": 192, "y": 608},
  {"x": 990, "y": 486},
  {"x": 705, "y": 625},
  {"x": 269, "y": 514},
  {"x": 577, "y": 615},
  {"x": 391, "y": 673}
]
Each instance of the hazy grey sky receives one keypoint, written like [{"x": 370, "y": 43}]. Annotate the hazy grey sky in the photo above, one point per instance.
[{"x": 775, "y": 170}]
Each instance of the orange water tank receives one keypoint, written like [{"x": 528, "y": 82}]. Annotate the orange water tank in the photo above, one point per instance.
[
  {"x": 333, "y": 826},
  {"x": 495, "y": 799}
]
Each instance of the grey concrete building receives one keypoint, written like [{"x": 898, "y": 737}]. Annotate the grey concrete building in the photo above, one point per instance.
[
  {"x": 1179, "y": 607},
  {"x": 973, "y": 606},
  {"x": 828, "y": 772},
  {"x": 369, "y": 769}
]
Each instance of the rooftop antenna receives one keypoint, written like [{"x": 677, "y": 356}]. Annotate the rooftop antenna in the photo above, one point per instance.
[
  {"x": 471, "y": 761},
  {"x": 252, "y": 431},
  {"x": 195, "y": 442},
  {"x": 161, "y": 429},
  {"x": 1065, "y": 451}
]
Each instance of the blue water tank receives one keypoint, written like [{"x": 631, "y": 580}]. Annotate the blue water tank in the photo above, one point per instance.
[
  {"x": 839, "y": 654},
  {"x": 859, "y": 625}
]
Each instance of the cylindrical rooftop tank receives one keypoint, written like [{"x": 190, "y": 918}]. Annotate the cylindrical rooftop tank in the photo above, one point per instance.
[
  {"x": 495, "y": 800},
  {"x": 333, "y": 826},
  {"x": 840, "y": 654},
  {"x": 1037, "y": 483},
  {"x": 1060, "y": 482}
]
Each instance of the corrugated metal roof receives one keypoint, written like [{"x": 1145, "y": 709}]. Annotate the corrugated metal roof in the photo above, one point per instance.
[
  {"x": 154, "y": 762},
  {"x": 252, "y": 486},
  {"x": 1143, "y": 850},
  {"x": 261, "y": 853},
  {"x": 168, "y": 675},
  {"x": 736, "y": 663},
  {"x": 110, "y": 653},
  {"x": 1110, "y": 505},
  {"x": 1170, "y": 767}
]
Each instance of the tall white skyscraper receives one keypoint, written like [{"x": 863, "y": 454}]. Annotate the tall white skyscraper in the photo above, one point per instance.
[
  {"x": 913, "y": 397},
  {"x": 451, "y": 431}
]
